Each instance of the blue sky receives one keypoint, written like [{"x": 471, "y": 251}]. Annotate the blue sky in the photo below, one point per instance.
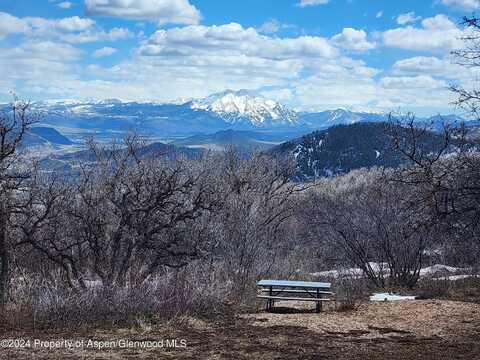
[{"x": 309, "y": 54}]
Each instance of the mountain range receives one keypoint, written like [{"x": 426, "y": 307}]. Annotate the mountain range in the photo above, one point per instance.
[
  {"x": 336, "y": 150},
  {"x": 322, "y": 143},
  {"x": 229, "y": 110}
]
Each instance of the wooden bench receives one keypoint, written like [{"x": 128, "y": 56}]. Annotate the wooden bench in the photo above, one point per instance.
[{"x": 317, "y": 292}]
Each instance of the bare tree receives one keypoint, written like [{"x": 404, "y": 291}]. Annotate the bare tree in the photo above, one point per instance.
[
  {"x": 14, "y": 123},
  {"x": 372, "y": 224},
  {"x": 468, "y": 56},
  {"x": 258, "y": 202},
  {"x": 123, "y": 219},
  {"x": 444, "y": 179}
]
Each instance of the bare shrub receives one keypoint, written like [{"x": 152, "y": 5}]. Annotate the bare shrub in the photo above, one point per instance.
[
  {"x": 467, "y": 289},
  {"x": 350, "y": 292},
  {"x": 45, "y": 304},
  {"x": 372, "y": 224},
  {"x": 252, "y": 226},
  {"x": 433, "y": 289}
]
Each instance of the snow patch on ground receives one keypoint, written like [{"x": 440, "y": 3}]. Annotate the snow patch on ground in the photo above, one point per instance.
[
  {"x": 357, "y": 272},
  {"x": 455, "y": 277},
  {"x": 437, "y": 271},
  {"x": 390, "y": 297},
  {"x": 431, "y": 270}
]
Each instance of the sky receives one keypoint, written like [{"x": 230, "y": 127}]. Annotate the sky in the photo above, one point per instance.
[{"x": 311, "y": 55}]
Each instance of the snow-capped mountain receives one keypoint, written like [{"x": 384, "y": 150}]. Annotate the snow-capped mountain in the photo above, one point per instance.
[
  {"x": 243, "y": 105},
  {"x": 325, "y": 119},
  {"x": 228, "y": 110}
]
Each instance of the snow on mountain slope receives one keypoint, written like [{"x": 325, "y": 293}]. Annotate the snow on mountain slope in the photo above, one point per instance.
[
  {"x": 343, "y": 148},
  {"x": 238, "y": 106},
  {"x": 237, "y": 110}
]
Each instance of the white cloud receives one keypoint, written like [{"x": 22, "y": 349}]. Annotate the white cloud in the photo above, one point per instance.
[
  {"x": 55, "y": 28},
  {"x": 467, "y": 5},
  {"x": 379, "y": 14},
  {"x": 194, "y": 61},
  {"x": 70, "y": 29},
  {"x": 444, "y": 68},
  {"x": 162, "y": 11},
  {"x": 428, "y": 65},
  {"x": 44, "y": 50},
  {"x": 412, "y": 82},
  {"x": 352, "y": 39},
  {"x": 437, "y": 34},
  {"x": 420, "y": 64},
  {"x": 407, "y": 18},
  {"x": 74, "y": 23},
  {"x": 307, "y": 72},
  {"x": 232, "y": 39},
  {"x": 439, "y": 22},
  {"x": 105, "y": 51},
  {"x": 10, "y": 25},
  {"x": 98, "y": 35},
  {"x": 305, "y": 3},
  {"x": 272, "y": 26},
  {"x": 65, "y": 5},
  {"x": 282, "y": 95}
]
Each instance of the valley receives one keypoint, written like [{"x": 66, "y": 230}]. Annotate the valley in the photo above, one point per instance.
[{"x": 321, "y": 143}]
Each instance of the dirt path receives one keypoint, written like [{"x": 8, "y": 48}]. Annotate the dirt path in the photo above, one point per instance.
[{"x": 402, "y": 330}]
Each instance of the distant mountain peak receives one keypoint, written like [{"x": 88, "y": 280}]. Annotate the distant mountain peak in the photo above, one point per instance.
[{"x": 242, "y": 105}]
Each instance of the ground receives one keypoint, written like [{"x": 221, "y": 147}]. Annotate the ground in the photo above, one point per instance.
[{"x": 420, "y": 329}]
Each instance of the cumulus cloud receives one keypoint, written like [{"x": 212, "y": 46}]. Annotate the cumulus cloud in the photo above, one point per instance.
[
  {"x": 269, "y": 27},
  {"x": 307, "y": 72},
  {"x": 412, "y": 82},
  {"x": 379, "y": 14},
  {"x": 55, "y": 28},
  {"x": 162, "y": 11},
  {"x": 65, "y": 5},
  {"x": 103, "y": 52},
  {"x": 420, "y": 64},
  {"x": 233, "y": 38},
  {"x": 74, "y": 23},
  {"x": 70, "y": 29},
  {"x": 444, "y": 68},
  {"x": 194, "y": 61},
  {"x": 352, "y": 39},
  {"x": 10, "y": 25},
  {"x": 43, "y": 50},
  {"x": 437, "y": 34},
  {"x": 272, "y": 26},
  {"x": 467, "y": 5},
  {"x": 98, "y": 35},
  {"x": 407, "y": 18},
  {"x": 305, "y": 3}
]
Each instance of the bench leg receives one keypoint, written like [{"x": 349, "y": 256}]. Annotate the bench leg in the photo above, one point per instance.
[
  {"x": 270, "y": 301},
  {"x": 318, "y": 304}
]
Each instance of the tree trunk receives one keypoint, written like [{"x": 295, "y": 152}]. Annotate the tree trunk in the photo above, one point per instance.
[{"x": 4, "y": 257}]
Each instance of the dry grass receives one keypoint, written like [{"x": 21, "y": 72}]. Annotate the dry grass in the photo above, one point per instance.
[
  {"x": 415, "y": 317},
  {"x": 430, "y": 329}
]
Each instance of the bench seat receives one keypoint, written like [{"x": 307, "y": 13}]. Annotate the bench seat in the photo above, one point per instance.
[
  {"x": 292, "y": 298},
  {"x": 297, "y": 291}
]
